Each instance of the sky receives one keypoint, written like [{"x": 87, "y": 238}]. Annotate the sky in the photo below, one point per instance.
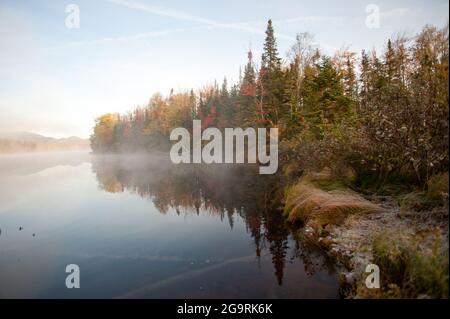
[{"x": 56, "y": 78}]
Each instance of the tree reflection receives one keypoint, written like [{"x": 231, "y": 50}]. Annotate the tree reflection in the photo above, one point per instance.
[{"x": 225, "y": 191}]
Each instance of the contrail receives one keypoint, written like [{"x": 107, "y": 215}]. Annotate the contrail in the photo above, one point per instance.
[
  {"x": 188, "y": 17},
  {"x": 144, "y": 35}
]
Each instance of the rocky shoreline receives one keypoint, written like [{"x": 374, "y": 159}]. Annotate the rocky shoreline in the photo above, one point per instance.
[{"x": 350, "y": 244}]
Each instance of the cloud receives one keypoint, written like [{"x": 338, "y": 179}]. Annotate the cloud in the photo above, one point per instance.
[
  {"x": 394, "y": 13},
  {"x": 191, "y": 18},
  {"x": 205, "y": 24},
  {"x": 321, "y": 19},
  {"x": 138, "y": 36},
  {"x": 397, "y": 12}
]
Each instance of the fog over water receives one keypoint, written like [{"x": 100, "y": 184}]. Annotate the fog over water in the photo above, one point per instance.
[{"x": 140, "y": 226}]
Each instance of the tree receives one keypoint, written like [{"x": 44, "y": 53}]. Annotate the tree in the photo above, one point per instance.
[
  {"x": 102, "y": 139},
  {"x": 270, "y": 87},
  {"x": 246, "y": 107},
  {"x": 303, "y": 55},
  {"x": 270, "y": 60},
  {"x": 325, "y": 101}
]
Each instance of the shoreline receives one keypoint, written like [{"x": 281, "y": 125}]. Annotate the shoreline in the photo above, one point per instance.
[{"x": 350, "y": 244}]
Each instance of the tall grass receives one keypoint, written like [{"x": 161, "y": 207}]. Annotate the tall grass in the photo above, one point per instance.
[
  {"x": 408, "y": 270},
  {"x": 306, "y": 203}
]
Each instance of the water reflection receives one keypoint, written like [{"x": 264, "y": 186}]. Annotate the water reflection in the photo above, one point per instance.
[
  {"x": 27, "y": 164},
  {"x": 142, "y": 227},
  {"x": 226, "y": 191}
]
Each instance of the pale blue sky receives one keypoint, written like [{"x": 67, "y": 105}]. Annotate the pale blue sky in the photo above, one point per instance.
[{"x": 55, "y": 80}]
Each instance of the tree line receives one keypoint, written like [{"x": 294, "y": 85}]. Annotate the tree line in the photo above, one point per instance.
[{"x": 381, "y": 115}]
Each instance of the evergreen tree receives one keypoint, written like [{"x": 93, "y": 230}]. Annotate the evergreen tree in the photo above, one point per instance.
[
  {"x": 271, "y": 86},
  {"x": 325, "y": 101},
  {"x": 246, "y": 108},
  {"x": 270, "y": 59}
]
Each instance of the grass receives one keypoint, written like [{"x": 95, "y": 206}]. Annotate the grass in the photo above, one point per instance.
[
  {"x": 332, "y": 203},
  {"x": 436, "y": 195},
  {"x": 407, "y": 269},
  {"x": 437, "y": 188},
  {"x": 413, "y": 263}
]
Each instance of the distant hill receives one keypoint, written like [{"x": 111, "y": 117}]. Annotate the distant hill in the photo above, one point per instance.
[{"x": 23, "y": 142}]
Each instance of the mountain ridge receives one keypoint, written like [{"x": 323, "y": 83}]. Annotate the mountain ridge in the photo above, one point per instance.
[{"x": 24, "y": 142}]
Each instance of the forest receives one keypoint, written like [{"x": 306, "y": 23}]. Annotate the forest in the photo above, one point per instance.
[
  {"x": 356, "y": 130},
  {"x": 384, "y": 115}
]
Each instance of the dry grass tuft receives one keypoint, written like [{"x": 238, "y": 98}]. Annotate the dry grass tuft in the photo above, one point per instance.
[{"x": 306, "y": 203}]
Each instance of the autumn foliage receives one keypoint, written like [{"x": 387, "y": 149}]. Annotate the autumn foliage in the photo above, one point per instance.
[{"x": 380, "y": 115}]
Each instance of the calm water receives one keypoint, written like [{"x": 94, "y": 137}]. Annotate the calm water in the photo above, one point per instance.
[{"x": 139, "y": 227}]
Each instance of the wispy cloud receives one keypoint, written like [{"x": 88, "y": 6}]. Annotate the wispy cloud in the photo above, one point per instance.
[
  {"x": 314, "y": 18},
  {"x": 126, "y": 38},
  {"x": 177, "y": 15},
  {"x": 394, "y": 13},
  {"x": 205, "y": 24}
]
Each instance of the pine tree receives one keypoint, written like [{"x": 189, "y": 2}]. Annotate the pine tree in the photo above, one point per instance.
[
  {"x": 325, "y": 101},
  {"x": 293, "y": 94},
  {"x": 246, "y": 110},
  {"x": 350, "y": 76},
  {"x": 249, "y": 73},
  {"x": 223, "y": 105},
  {"x": 270, "y": 59},
  {"x": 270, "y": 87}
]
